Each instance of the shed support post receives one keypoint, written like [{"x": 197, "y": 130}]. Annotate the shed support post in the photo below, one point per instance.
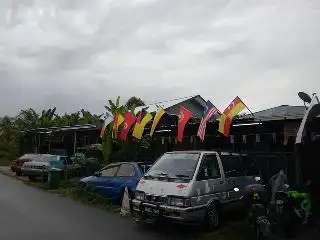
[{"x": 75, "y": 142}]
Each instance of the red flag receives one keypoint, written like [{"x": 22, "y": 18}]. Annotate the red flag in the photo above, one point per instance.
[
  {"x": 184, "y": 116},
  {"x": 129, "y": 120}
]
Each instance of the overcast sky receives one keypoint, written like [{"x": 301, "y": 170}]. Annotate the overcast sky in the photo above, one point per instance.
[{"x": 75, "y": 54}]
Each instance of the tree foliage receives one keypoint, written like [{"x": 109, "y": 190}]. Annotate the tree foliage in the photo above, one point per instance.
[
  {"x": 12, "y": 129},
  {"x": 134, "y": 102}
]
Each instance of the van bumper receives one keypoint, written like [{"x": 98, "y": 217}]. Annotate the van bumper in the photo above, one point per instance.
[{"x": 143, "y": 209}]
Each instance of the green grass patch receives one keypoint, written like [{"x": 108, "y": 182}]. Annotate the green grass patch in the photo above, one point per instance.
[{"x": 70, "y": 189}]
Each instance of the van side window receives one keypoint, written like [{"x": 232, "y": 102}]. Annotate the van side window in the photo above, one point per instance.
[
  {"x": 209, "y": 168},
  {"x": 232, "y": 165}
]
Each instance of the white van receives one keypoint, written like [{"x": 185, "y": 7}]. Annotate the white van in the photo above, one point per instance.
[{"x": 192, "y": 186}]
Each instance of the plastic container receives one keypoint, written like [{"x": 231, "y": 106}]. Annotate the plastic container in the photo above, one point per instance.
[{"x": 54, "y": 178}]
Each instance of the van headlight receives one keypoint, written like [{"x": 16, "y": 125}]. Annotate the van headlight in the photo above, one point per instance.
[
  {"x": 139, "y": 195},
  {"x": 179, "y": 202}
]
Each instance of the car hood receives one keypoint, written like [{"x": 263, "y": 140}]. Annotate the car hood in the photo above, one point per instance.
[
  {"x": 164, "y": 188},
  {"x": 36, "y": 164},
  {"x": 89, "y": 179}
]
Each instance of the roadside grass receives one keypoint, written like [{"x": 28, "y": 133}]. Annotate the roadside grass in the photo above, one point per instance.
[
  {"x": 71, "y": 189},
  {"x": 4, "y": 161}
]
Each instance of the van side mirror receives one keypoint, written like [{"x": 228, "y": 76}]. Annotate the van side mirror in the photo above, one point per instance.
[{"x": 257, "y": 179}]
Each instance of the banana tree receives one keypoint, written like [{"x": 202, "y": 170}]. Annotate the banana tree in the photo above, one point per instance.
[
  {"x": 27, "y": 119},
  {"x": 47, "y": 117},
  {"x": 107, "y": 142}
]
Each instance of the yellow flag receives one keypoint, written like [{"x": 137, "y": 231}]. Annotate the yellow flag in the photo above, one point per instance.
[
  {"x": 139, "y": 127},
  {"x": 156, "y": 120},
  {"x": 118, "y": 120}
]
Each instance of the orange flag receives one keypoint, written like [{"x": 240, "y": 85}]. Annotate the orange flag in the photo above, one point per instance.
[
  {"x": 235, "y": 107},
  {"x": 118, "y": 120}
]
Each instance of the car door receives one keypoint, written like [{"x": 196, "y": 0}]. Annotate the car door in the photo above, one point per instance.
[
  {"x": 234, "y": 176},
  {"x": 105, "y": 182},
  {"x": 126, "y": 177},
  {"x": 210, "y": 179}
]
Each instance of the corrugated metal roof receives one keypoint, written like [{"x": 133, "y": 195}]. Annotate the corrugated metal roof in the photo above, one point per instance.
[
  {"x": 278, "y": 113},
  {"x": 64, "y": 128},
  {"x": 170, "y": 103}
]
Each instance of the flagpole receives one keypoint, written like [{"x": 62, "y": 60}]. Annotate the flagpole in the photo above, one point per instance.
[{"x": 248, "y": 109}]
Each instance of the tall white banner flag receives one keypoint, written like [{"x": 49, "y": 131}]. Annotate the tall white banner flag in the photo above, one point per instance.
[{"x": 314, "y": 102}]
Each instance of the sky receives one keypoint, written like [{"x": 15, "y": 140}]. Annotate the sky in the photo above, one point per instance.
[{"x": 76, "y": 54}]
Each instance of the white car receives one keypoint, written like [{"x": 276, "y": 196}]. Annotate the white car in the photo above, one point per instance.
[{"x": 39, "y": 168}]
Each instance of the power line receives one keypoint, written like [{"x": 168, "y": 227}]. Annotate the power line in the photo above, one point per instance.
[{"x": 175, "y": 99}]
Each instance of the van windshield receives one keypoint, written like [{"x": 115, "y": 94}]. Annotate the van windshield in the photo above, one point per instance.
[{"x": 174, "y": 166}]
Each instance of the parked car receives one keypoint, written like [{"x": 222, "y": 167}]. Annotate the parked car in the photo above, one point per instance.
[
  {"x": 39, "y": 167},
  {"x": 193, "y": 186},
  {"x": 114, "y": 178},
  {"x": 17, "y": 164}
]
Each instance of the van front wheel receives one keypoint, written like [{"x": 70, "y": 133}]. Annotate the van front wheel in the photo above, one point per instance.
[{"x": 211, "y": 220}]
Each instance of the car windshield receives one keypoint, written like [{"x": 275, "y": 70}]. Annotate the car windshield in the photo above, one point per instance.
[
  {"x": 175, "y": 165},
  {"x": 28, "y": 156}
]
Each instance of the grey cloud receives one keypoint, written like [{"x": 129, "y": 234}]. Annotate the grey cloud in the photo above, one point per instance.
[{"x": 75, "y": 54}]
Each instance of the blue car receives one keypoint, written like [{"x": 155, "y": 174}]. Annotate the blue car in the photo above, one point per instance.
[{"x": 112, "y": 179}]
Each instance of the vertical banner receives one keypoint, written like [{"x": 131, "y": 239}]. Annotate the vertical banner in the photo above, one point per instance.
[
  {"x": 129, "y": 120},
  {"x": 184, "y": 117},
  {"x": 156, "y": 120},
  {"x": 139, "y": 127},
  {"x": 118, "y": 120},
  {"x": 312, "y": 111}
]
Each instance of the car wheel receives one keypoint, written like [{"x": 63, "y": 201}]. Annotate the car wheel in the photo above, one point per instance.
[
  {"x": 32, "y": 178},
  {"x": 212, "y": 220}
]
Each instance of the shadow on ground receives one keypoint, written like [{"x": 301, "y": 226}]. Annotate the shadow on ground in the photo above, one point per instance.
[{"x": 232, "y": 227}]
